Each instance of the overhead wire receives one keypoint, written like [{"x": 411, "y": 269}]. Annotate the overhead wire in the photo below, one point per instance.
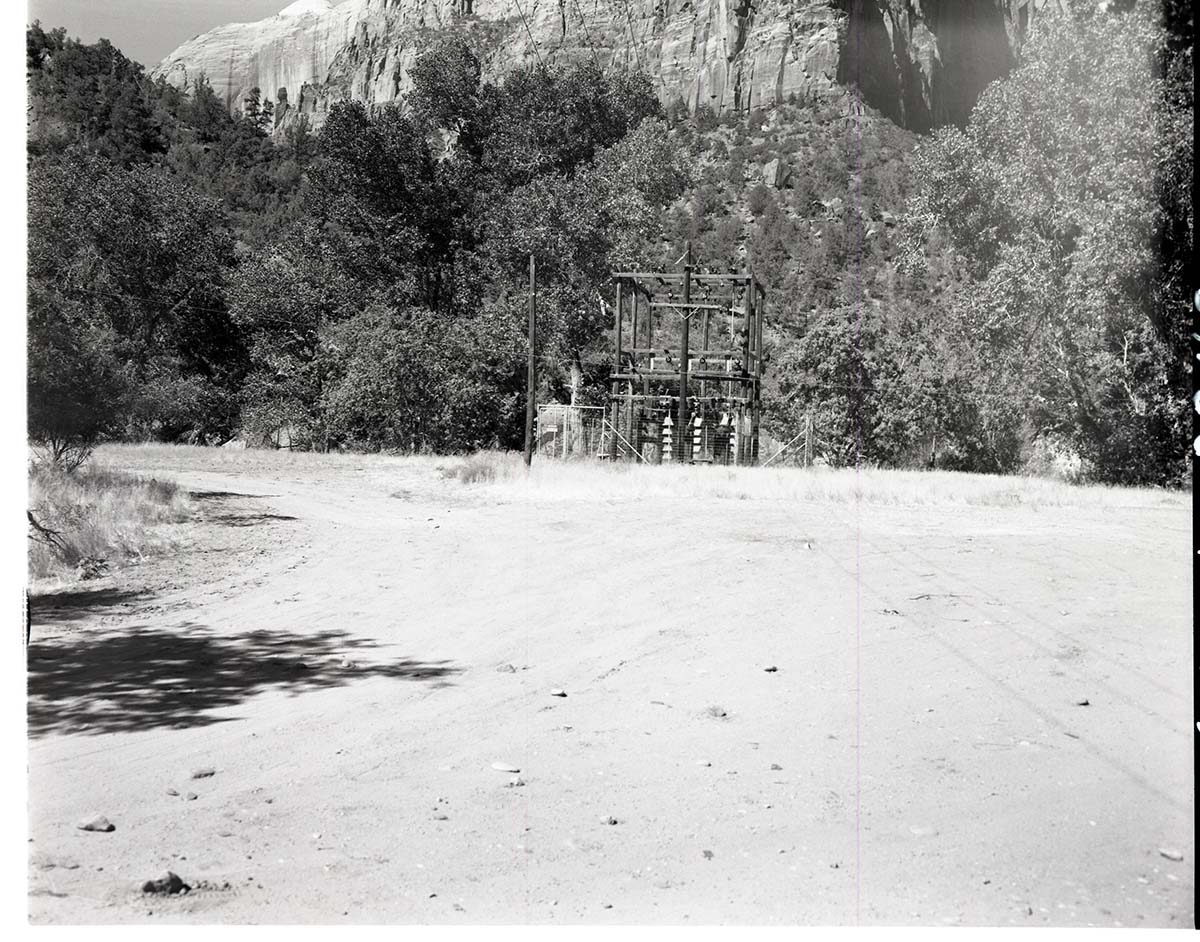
[{"x": 529, "y": 33}]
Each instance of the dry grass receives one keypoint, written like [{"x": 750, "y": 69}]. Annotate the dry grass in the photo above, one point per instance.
[
  {"x": 503, "y": 475},
  {"x": 97, "y": 516},
  {"x": 486, "y": 467},
  {"x": 497, "y": 475},
  {"x": 156, "y": 457},
  {"x": 235, "y": 460}
]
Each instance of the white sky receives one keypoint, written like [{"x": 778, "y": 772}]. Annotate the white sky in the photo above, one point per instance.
[{"x": 146, "y": 30}]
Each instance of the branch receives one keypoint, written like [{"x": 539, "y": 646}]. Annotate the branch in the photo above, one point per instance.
[{"x": 45, "y": 534}]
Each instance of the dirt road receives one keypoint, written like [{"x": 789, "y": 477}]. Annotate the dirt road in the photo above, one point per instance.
[{"x": 350, "y": 653}]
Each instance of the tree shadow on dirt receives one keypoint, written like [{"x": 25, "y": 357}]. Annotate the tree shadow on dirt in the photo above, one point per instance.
[
  {"x": 225, "y": 495},
  {"x": 249, "y": 520},
  {"x": 142, "y": 678},
  {"x": 77, "y": 604}
]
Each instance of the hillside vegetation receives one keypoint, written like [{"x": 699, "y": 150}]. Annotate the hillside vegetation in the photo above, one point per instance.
[{"x": 991, "y": 298}]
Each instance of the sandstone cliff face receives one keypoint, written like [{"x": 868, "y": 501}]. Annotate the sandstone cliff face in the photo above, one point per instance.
[
  {"x": 922, "y": 62},
  {"x": 291, "y": 49}
]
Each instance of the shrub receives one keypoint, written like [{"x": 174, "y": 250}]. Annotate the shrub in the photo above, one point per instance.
[
  {"x": 81, "y": 521},
  {"x": 758, "y": 200}
]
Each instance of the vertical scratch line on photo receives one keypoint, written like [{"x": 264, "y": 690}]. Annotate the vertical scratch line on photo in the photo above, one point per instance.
[
  {"x": 856, "y": 126},
  {"x": 525, "y": 621}
]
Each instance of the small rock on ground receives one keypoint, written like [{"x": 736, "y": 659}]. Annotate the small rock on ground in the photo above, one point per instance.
[
  {"x": 1170, "y": 853},
  {"x": 771, "y": 670},
  {"x": 205, "y": 772},
  {"x": 172, "y": 792},
  {"x": 168, "y": 884},
  {"x": 505, "y": 767},
  {"x": 556, "y": 692},
  {"x": 96, "y": 823},
  {"x": 192, "y": 796}
]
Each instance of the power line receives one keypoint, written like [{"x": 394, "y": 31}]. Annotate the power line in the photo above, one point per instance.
[
  {"x": 529, "y": 33},
  {"x": 629, "y": 19},
  {"x": 587, "y": 33}
]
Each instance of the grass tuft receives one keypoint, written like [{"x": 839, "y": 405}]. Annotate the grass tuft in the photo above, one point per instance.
[
  {"x": 96, "y": 517},
  {"x": 487, "y": 467}
]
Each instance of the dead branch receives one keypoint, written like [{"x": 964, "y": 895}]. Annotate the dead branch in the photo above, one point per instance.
[{"x": 45, "y": 535}]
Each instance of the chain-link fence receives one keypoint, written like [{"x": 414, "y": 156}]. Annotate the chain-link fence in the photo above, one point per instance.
[{"x": 570, "y": 432}]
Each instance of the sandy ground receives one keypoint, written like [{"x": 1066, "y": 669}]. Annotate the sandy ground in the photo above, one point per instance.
[{"x": 351, "y": 649}]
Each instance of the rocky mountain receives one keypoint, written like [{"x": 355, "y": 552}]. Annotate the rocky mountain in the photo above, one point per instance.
[{"x": 921, "y": 62}]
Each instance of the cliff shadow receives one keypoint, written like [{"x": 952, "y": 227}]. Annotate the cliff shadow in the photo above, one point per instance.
[{"x": 882, "y": 61}]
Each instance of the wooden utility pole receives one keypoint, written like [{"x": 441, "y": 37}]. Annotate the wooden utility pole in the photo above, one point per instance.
[
  {"x": 683, "y": 438},
  {"x": 613, "y": 450},
  {"x": 759, "y": 305},
  {"x": 531, "y": 377}
]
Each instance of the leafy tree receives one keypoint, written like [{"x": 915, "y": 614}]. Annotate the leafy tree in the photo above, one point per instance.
[
  {"x": 446, "y": 87},
  {"x": 77, "y": 384},
  {"x": 888, "y": 388},
  {"x": 542, "y": 121},
  {"x": 126, "y": 276},
  {"x": 285, "y": 300},
  {"x": 584, "y": 227},
  {"x": 402, "y": 380},
  {"x": 1054, "y": 194},
  {"x": 374, "y": 187}
]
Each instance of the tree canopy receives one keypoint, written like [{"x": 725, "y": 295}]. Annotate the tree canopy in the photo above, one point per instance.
[{"x": 1067, "y": 197}]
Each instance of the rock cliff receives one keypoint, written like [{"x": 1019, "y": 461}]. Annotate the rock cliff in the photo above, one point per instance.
[{"x": 922, "y": 62}]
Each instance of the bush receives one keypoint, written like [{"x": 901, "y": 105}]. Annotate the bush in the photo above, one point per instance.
[
  {"x": 758, "y": 200},
  {"x": 82, "y": 521}
]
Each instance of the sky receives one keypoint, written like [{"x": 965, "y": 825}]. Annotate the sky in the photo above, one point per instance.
[{"x": 146, "y": 30}]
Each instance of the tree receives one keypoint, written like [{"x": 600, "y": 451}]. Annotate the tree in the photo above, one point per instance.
[
  {"x": 126, "y": 274},
  {"x": 583, "y": 227},
  {"x": 90, "y": 95},
  {"x": 285, "y": 300},
  {"x": 542, "y": 120},
  {"x": 1060, "y": 194},
  {"x": 446, "y": 84},
  {"x": 375, "y": 188}
]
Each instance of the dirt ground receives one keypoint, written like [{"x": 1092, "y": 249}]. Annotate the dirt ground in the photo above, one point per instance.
[{"x": 775, "y": 712}]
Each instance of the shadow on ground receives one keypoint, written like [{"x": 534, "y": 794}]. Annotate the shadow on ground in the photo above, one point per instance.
[
  {"x": 142, "y": 678},
  {"x": 61, "y": 608},
  {"x": 224, "y": 495},
  {"x": 248, "y": 520}
]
